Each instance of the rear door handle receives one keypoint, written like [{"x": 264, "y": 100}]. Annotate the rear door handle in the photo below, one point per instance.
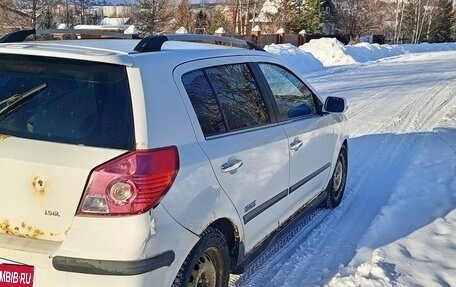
[
  {"x": 296, "y": 144},
  {"x": 232, "y": 165}
]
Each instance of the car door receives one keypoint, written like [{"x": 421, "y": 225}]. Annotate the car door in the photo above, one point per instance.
[
  {"x": 248, "y": 151},
  {"x": 310, "y": 133}
]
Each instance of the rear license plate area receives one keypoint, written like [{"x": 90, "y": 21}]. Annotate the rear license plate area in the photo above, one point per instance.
[{"x": 14, "y": 274}]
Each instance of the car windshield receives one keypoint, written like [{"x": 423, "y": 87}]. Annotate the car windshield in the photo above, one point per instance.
[{"x": 65, "y": 100}]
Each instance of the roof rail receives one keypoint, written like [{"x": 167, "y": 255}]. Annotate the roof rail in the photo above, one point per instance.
[
  {"x": 20, "y": 36},
  {"x": 154, "y": 43}
]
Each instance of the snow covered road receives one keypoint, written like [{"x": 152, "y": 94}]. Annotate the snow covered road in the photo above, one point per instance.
[{"x": 397, "y": 223}]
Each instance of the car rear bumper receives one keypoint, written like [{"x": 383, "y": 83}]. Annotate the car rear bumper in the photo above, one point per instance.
[
  {"x": 106, "y": 259},
  {"x": 113, "y": 267}
]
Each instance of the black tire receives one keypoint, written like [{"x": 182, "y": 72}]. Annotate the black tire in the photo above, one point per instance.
[
  {"x": 208, "y": 263},
  {"x": 336, "y": 186}
]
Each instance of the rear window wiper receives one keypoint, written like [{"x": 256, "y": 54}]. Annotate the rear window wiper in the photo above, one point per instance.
[{"x": 17, "y": 100}]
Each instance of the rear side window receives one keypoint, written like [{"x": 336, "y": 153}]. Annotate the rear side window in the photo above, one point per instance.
[
  {"x": 64, "y": 100},
  {"x": 225, "y": 98},
  {"x": 238, "y": 95},
  {"x": 204, "y": 103}
]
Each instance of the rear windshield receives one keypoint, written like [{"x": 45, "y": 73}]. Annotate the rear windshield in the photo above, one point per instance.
[{"x": 67, "y": 101}]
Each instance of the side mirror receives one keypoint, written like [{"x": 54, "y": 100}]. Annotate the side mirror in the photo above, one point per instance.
[
  {"x": 301, "y": 110},
  {"x": 335, "y": 105}
]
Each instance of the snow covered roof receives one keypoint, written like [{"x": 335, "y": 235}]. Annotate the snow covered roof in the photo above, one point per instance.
[
  {"x": 114, "y": 21},
  {"x": 256, "y": 29},
  {"x": 114, "y": 28},
  {"x": 181, "y": 30},
  {"x": 220, "y": 31}
]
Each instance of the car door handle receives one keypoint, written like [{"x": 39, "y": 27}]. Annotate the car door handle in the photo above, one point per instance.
[
  {"x": 232, "y": 165},
  {"x": 296, "y": 144}
]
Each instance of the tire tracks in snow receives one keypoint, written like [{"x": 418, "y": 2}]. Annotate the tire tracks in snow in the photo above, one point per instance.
[{"x": 425, "y": 111}]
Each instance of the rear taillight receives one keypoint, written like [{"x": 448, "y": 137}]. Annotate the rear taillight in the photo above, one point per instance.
[{"x": 130, "y": 184}]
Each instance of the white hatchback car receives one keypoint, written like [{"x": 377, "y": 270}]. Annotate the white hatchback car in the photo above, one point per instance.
[{"x": 155, "y": 162}]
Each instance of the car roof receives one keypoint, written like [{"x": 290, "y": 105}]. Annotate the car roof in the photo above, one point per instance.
[{"x": 121, "y": 51}]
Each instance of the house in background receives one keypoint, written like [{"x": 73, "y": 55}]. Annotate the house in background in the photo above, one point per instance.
[
  {"x": 108, "y": 21},
  {"x": 122, "y": 25}
]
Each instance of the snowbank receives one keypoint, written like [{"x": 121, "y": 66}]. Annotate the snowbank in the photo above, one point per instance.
[
  {"x": 365, "y": 52},
  {"x": 328, "y": 52},
  {"x": 302, "y": 61}
]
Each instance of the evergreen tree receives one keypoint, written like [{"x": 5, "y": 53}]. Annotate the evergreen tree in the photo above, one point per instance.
[
  {"x": 309, "y": 18},
  {"x": 441, "y": 31},
  {"x": 216, "y": 21},
  {"x": 201, "y": 22}
]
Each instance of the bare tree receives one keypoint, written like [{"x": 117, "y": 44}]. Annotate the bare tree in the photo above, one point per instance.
[
  {"x": 347, "y": 19},
  {"x": 12, "y": 18},
  {"x": 40, "y": 12},
  {"x": 247, "y": 26},
  {"x": 415, "y": 15},
  {"x": 235, "y": 23},
  {"x": 184, "y": 16},
  {"x": 375, "y": 17},
  {"x": 399, "y": 12},
  {"x": 286, "y": 8},
  {"x": 81, "y": 7}
]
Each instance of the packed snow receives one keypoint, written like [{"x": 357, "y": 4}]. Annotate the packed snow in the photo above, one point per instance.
[{"x": 397, "y": 223}]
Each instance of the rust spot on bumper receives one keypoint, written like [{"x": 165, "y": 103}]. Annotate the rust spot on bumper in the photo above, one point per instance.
[
  {"x": 3, "y": 137},
  {"x": 23, "y": 230}
]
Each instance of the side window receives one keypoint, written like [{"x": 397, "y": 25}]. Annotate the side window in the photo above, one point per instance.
[
  {"x": 204, "y": 103},
  {"x": 225, "y": 98},
  {"x": 293, "y": 97},
  {"x": 239, "y": 96}
]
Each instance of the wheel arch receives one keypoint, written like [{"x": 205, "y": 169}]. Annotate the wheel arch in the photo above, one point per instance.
[
  {"x": 232, "y": 237},
  {"x": 345, "y": 143}
]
